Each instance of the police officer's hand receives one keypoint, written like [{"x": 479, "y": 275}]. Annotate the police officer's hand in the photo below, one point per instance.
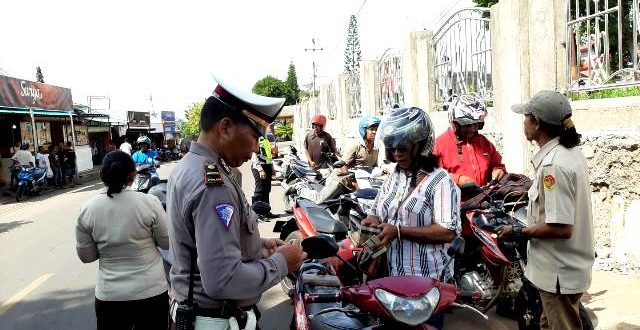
[
  {"x": 388, "y": 233},
  {"x": 370, "y": 221},
  {"x": 263, "y": 175},
  {"x": 294, "y": 255},
  {"x": 463, "y": 179}
]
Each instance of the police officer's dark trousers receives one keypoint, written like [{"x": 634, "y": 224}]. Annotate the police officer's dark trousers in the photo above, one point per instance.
[{"x": 263, "y": 186}]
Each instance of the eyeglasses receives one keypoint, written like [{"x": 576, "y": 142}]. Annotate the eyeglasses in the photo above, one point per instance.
[{"x": 398, "y": 149}]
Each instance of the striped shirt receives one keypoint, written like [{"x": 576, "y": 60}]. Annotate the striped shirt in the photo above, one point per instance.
[{"x": 436, "y": 200}]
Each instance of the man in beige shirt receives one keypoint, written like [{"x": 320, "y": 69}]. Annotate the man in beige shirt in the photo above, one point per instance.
[{"x": 560, "y": 231}]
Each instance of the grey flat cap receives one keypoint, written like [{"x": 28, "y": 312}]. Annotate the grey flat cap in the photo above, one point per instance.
[{"x": 549, "y": 106}]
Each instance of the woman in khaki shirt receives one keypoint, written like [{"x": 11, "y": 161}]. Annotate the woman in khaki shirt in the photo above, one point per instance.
[
  {"x": 560, "y": 231},
  {"x": 123, "y": 230}
]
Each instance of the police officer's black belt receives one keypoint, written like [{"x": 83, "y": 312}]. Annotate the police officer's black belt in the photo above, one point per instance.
[{"x": 225, "y": 313}]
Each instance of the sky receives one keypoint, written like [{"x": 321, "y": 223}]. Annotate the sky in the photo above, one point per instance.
[{"x": 129, "y": 50}]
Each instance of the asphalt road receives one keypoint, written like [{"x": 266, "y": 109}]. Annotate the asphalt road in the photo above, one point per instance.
[{"x": 45, "y": 286}]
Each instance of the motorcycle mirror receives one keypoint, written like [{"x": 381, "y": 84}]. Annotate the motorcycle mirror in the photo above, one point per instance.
[
  {"x": 456, "y": 247},
  {"x": 320, "y": 246},
  {"x": 261, "y": 208}
]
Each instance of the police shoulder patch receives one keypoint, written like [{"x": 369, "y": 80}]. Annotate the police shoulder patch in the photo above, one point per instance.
[{"x": 225, "y": 212}]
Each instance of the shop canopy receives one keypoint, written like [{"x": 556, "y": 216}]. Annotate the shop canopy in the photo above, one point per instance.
[{"x": 20, "y": 96}]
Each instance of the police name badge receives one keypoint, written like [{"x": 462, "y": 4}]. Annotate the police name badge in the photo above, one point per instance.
[
  {"x": 225, "y": 212},
  {"x": 212, "y": 176}
]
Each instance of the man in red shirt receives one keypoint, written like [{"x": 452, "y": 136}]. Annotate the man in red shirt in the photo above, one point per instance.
[{"x": 465, "y": 153}]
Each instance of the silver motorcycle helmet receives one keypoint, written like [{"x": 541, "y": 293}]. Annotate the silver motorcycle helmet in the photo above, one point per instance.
[{"x": 408, "y": 128}]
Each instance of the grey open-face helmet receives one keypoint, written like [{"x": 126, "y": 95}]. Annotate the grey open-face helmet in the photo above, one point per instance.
[{"x": 408, "y": 128}]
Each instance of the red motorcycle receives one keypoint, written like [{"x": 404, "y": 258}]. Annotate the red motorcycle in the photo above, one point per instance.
[
  {"x": 332, "y": 218},
  {"x": 489, "y": 272},
  {"x": 321, "y": 301}
]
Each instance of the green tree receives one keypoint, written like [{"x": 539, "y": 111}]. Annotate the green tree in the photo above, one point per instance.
[
  {"x": 292, "y": 84},
  {"x": 485, "y": 3},
  {"x": 284, "y": 131},
  {"x": 180, "y": 124},
  {"x": 272, "y": 87},
  {"x": 352, "y": 54},
  {"x": 191, "y": 128},
  {"x": 39, "y": 76}
]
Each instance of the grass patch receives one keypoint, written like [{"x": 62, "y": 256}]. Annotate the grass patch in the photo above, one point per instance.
[{"x": 605, "y": 93}]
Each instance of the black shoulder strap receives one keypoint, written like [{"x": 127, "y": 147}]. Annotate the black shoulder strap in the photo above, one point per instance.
[{"x": 192, "y": 271}]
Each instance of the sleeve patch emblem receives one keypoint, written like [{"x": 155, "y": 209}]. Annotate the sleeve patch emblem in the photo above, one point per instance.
[
  {"x": 549, "y": 182},
  {"x": 225, "y": 212}
]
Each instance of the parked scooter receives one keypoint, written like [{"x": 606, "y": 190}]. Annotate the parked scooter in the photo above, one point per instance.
[
  {"x": 321, "y": 301},
  {"x": 31, "y": 180}
]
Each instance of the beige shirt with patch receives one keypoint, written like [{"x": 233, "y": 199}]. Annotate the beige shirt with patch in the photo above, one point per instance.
[
  {"x": 358, "y": 155},
  {"x": 561, "y": 194}
]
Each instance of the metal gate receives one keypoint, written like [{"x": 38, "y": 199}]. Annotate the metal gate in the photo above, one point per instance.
[
  {"x": 390, "y": 80},
  {"x": 462, "y": 50}
]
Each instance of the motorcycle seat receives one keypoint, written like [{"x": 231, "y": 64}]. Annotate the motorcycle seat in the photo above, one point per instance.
[
  {"x": 367, "y": 193},
  {"x": 321, "y": 220},
  {"x": 39, "y": 172}
]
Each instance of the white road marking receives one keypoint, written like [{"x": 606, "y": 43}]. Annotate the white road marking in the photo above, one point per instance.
[{"x": 6, "y": 306}]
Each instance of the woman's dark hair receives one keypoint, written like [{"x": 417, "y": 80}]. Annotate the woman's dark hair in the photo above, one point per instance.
[
  {"x": 116, "y": 167},
  {"x": 569, "y": 137},
  {"x": 428, "y": 163}
]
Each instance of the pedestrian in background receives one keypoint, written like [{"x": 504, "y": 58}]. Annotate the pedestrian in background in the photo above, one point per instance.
[
  {"x": 126, "y": 146},
  {"x": 123, "y": 230},
  {"x": 56, "y": 168},
  {"x": 69, "y": 165},
  {"x": 24, "y": 156},
  {"x": 560, "y": 230},
  {"x": 262, "y": 170}
]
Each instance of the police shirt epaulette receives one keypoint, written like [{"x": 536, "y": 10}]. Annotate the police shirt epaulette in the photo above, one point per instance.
[{"x": 212, "y": 176}]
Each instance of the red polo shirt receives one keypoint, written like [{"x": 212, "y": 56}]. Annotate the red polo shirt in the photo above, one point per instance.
[{"x": 479, "y": 157}]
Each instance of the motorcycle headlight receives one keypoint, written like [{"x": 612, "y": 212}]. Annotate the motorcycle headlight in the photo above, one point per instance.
[{"x": 408, "y": 310}]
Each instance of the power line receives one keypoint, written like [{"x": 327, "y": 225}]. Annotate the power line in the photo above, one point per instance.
[
  {"x": 362, "y": 5},
  {"x": 313, "y": 51}
]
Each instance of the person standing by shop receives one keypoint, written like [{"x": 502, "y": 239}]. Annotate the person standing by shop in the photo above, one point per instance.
[
  {"x": 56, "y": 166},
  {"x": 126, "y": 146},
  {"x": 560, "y": 230},
  {"x": 69, "y": 167},
  {"x": 213, "y": 232}
]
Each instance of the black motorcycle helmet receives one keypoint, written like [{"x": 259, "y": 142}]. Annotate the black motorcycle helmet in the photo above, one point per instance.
[{"x": 409, "y": 128}]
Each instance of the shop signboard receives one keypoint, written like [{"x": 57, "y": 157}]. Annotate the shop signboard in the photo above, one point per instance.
[
  {"x": 168, "y": 116},
  {"x": 19, "y": 93},
  {"x": 138, "y": 118},
  {"x": 43, "y": 133}
]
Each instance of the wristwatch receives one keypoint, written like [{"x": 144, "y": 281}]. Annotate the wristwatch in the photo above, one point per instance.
[{"x": 517, "y": 232}]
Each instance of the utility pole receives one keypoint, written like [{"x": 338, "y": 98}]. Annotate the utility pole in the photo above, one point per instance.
[{"x": 313, "y": 51}]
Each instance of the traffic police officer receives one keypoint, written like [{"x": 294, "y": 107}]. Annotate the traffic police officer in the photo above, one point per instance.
[
  {"x": 262, "y": 169},
  {"x": 216, "y": 249},
  {"x": 560, "y": 230}
]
